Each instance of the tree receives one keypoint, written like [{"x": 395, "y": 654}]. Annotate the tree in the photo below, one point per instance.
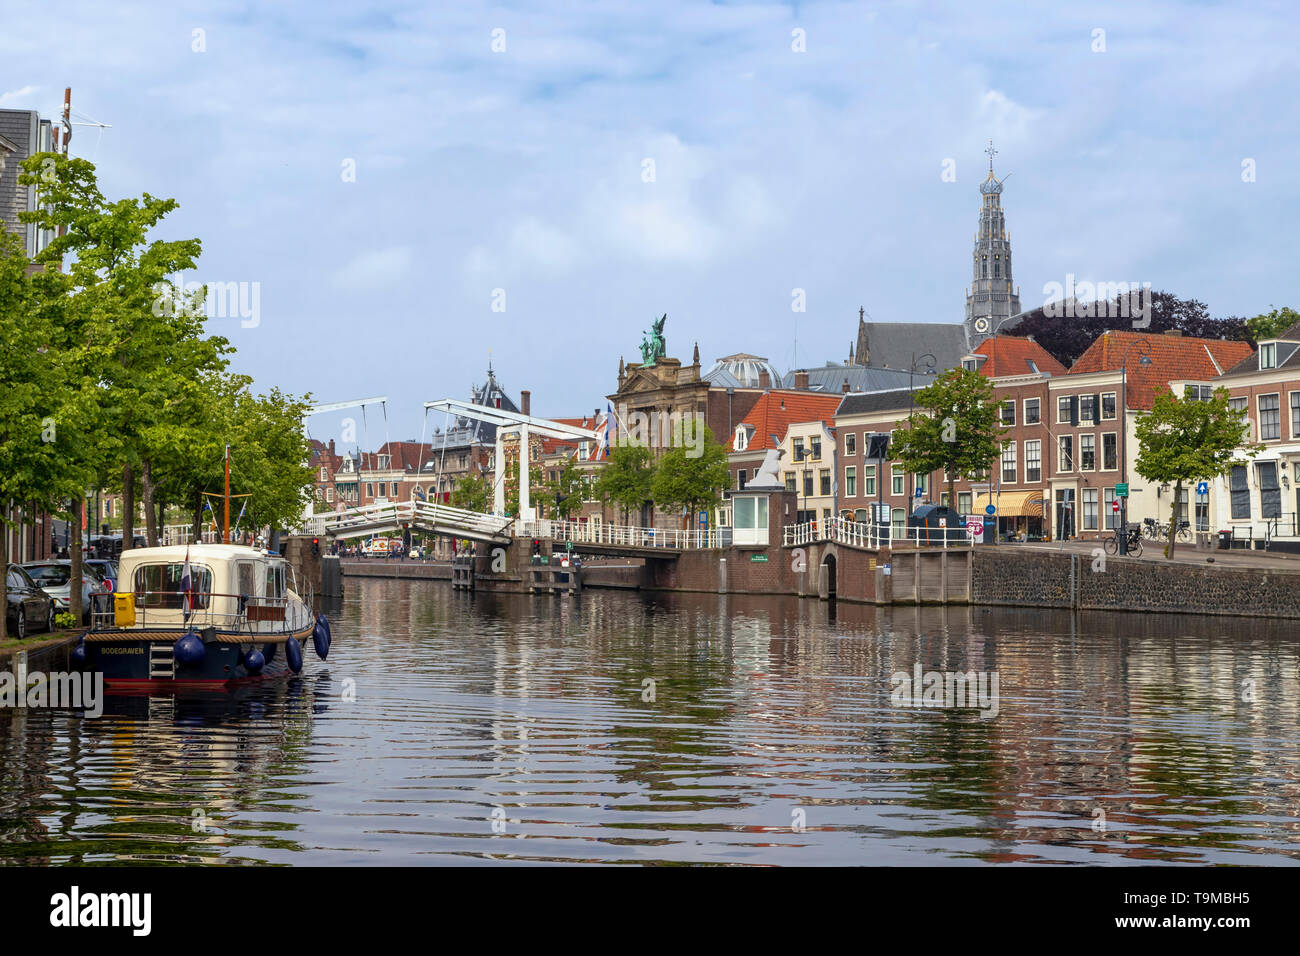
[
  {"x": 1066, "y": 337},
  {"x": 959, "y": 430},
  {"x": 562, "y": 497},
  {"x": 626, "y": 477},
  {"x": 1187, "y": 440},
  {"x": 471, "y": 493},
  {"x": 1269, "y": 325},
  {"x": 689, "y": 481}
]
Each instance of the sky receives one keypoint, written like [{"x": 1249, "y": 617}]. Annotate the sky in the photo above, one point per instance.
[{"x": 414, "y": 189}]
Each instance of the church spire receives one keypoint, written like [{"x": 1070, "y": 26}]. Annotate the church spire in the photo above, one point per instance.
[{"x": 991, "y": 299}]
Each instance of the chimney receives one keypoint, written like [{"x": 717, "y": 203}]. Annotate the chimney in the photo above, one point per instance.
[
  {"x": 764, "y": 380},
  {"x": 1174, "y": 332},
  {"x": 800, "y": 379},
  {"x": 331, "y": 447},
  {"x": 525, "y": 402},
  {"x": 845, "y": 387}
]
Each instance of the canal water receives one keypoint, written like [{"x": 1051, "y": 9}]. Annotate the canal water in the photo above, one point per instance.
[{"x": 449, "y": 728}]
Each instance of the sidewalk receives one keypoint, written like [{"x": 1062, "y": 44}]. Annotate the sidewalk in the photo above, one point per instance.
[{"x": 1184, "y": 553}]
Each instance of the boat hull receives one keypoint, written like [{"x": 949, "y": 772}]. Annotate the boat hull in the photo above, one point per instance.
[{"x": 127, "y": 660}]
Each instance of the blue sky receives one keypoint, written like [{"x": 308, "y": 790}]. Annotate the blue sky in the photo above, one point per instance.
[{"x": 775, "y": 170}]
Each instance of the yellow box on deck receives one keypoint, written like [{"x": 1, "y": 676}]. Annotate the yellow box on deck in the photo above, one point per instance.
[{"x": 124, "y": 608}]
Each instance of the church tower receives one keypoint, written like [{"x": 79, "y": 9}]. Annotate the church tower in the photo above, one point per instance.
[{"x": 991, "y": 298}]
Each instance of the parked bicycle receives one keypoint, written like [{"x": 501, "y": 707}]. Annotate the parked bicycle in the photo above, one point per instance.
[{"x": 1134, "y": 536}]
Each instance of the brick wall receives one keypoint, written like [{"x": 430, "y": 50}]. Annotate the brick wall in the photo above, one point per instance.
[{"x": 1043, "y": 579}]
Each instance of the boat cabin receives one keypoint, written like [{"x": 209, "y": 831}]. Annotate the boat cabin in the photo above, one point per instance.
[{"x": 231, "y": 587}]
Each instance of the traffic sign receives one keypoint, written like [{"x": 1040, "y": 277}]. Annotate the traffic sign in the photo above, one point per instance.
[
  {"x": 1203, "y": 488},
  {"x": 1121, "y": 490},
  {"x": 975, "y": 526},
  {"x": 918, "y": 492},
  {"x": 1114, "y": 506},
  {"x": 990, "y": 510}
]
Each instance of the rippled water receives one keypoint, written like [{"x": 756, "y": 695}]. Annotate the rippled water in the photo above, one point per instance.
[{"x": 627, "y": 728}]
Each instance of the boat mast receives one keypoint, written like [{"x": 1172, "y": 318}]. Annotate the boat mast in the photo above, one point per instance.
[{"x": 225, "y": 524}]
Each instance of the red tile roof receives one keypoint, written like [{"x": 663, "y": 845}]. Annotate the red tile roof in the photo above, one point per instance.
[
  {"x": 1011, "y": 355},
  {"x": 1173, "y": 357},
  {"x": 776, "y": 411}
]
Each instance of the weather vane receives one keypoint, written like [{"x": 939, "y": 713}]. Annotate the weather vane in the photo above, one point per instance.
[{"x": 992, "y": 152}]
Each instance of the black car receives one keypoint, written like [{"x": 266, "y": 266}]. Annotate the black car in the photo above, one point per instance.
[{"x": 26, "y": 604}]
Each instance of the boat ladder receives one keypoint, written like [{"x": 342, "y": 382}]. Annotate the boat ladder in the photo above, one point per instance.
[{"x": 162, "y": 665}]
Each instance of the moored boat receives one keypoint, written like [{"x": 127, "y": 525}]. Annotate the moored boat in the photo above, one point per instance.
[{"x": 201, "y": 616}]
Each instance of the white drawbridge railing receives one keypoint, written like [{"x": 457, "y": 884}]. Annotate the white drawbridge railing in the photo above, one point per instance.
[
  {"x": 860, "y": 534},
  {"x": 586, "y": 532},
  {"x": 417, "y": 515}
]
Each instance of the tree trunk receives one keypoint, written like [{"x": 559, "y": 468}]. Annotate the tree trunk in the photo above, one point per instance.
[
  {"x": 150, "y": 510},
  {"x": 1173, "y": 519},
  {"x": 162, "y": 519},
  {"x": 74, "y": 553},
  {"x": 128, "y": 507}
]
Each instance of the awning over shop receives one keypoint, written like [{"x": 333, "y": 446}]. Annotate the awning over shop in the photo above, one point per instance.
[{"x": 1013, "y": 504}]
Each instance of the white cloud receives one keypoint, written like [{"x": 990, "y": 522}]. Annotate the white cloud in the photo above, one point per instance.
[
  {"x": 14, "y": 97},
  {"x": 374, "y": 269}
]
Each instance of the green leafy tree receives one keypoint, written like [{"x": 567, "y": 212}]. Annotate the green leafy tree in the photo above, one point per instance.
[
  {"x": 1269, "y": 325},
  {"x": 686, "y": 480},
  {"x": 626, "y": 478},
  {"x": 562, "y": 497},
  {"x": 957, "y": 428},
  {"x": 1186, "y": 441},
  {"x": 471, "y": 493}
]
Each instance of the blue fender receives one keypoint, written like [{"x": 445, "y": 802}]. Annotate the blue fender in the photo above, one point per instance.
[
  {"x": 78, "y": 654},
  {"x": 293, "y": 654},
  {"x": 189, "y": 650},
  {"x": 254, "y": 662},
  {"x": 320, "y": 639},
  {"x": 329, "y": 632}
]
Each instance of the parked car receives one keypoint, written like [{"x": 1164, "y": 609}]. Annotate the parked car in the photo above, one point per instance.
[
  {"x": 104, "y": 570},
  {"x": 25, "y": 603},
  {"x": 53, "y": 578}
]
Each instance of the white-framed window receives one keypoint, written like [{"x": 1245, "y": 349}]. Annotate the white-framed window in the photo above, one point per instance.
[
  {"x": 1088, "y": 452},
  {"x": 1112, "y": 516},
  {"x": 370, "y": 489},
  {"x": 963, "y": 502},
  {"x": 1034, "y": 460},
  {"x": 1268, "y": 355},
  {"x": 1032, "y": 411},
  {"x": 850, "y": 444},
  {"x": 1066, "y": 448},
  {"x": 1109, "y": 451},
  {"x": 851, "y": 482},
  {"x": 797, "y": 447},
  {"x": 1087, "y": 408},
  {"x": 1009, "y": 471},
  {"x": 969, "y": 365},
  {"x": 869, "y": 480},
  {"x": 1089, "y": 509},
  {"x": 1242, "y": 404},
  {"x": 1108, "y": 406},
  {"x": 824, "y": 481},
  {"x": 1295, "y": 415},
  {"x": 741, "y": 441},
  {"x": 896, "y": 480},
  {"x": 324, "y": 473},
  {"x": 329, "y": 495},
  {"x": 1009, "y": 412},
  {"x": 1063, "y": 416},
  {"x": 815, "y": 447},
  {"x": 1270, "y": 419}
]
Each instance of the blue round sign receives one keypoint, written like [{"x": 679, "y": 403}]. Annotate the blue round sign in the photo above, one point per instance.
[{"x": 990, "y": 510}]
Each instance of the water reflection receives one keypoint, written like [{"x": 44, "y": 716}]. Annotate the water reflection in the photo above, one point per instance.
[{"x": 688, "y": 728}]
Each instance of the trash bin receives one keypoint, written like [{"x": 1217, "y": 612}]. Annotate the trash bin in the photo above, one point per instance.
[{"x": 1225, "y": 540}]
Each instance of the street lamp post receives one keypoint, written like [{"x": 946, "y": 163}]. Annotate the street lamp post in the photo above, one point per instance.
[
  {"x": 1144, "y": 346},
  {"x": 911, "y": 404}
]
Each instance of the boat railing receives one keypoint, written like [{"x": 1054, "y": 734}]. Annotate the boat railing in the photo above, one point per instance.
[{"x": 166, "y": 609}]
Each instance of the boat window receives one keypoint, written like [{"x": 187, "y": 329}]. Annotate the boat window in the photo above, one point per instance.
[
  {"x": 245, "y": 571},
  {"x": 275, "y": 580},
  {"x": 159, "y": 585}
]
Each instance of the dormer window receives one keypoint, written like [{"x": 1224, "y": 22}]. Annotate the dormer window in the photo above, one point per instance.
[
  {"x": 1268, "y": 355},
  {"x": 969, "y": 365},
  {"x": 741, "y": 441}
]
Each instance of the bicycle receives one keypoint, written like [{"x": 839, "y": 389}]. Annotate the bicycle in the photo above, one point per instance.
[
  {"x": 1154, "y": 529},
  {"x": 1134, "y": 536}
]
